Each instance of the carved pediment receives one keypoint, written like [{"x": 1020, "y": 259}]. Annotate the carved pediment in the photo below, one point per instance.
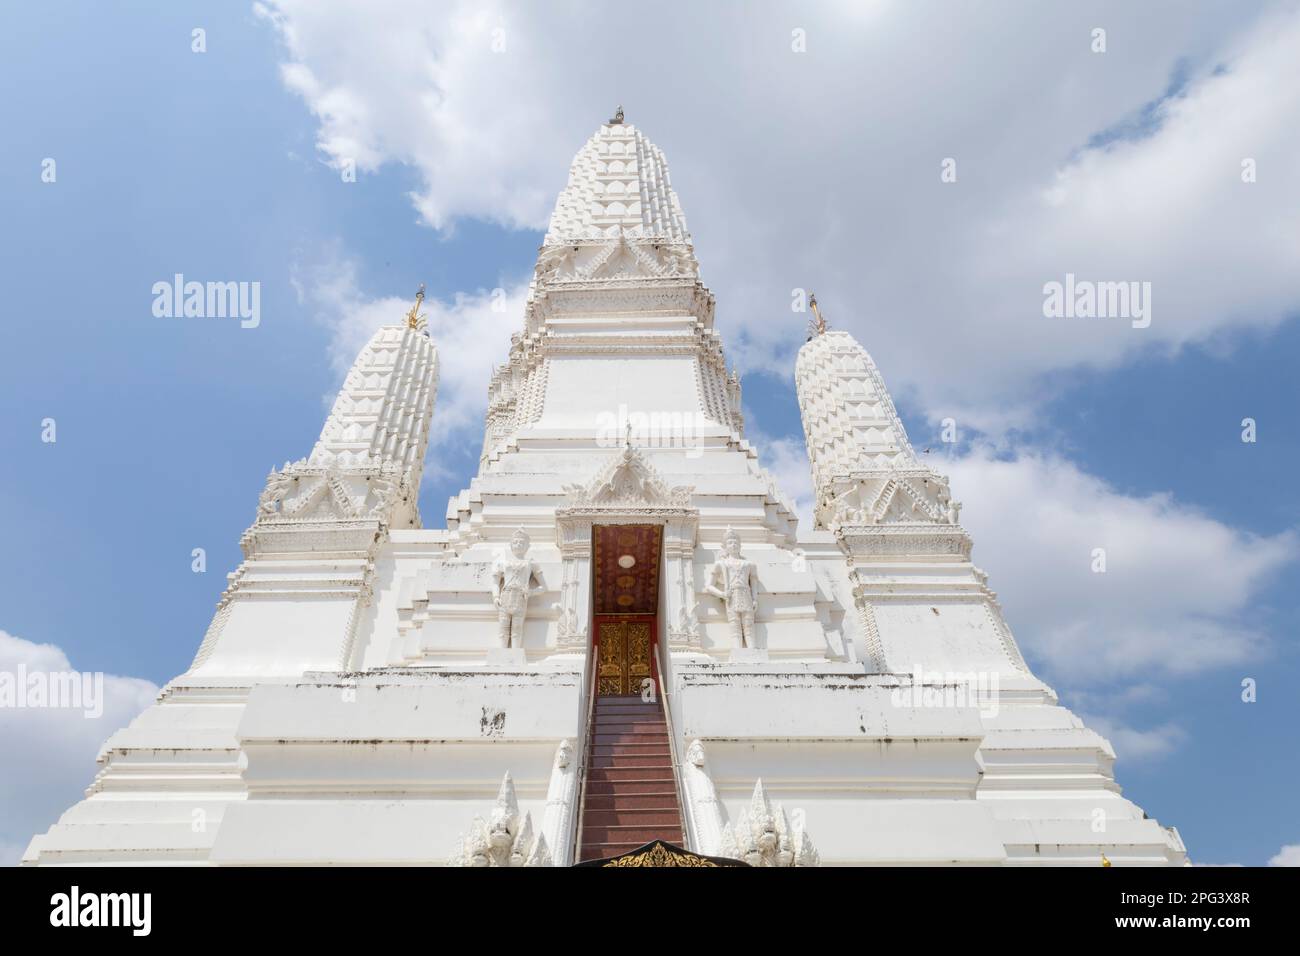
[
  {"x": 330, "y": 491},
  {"x": 625, "y": 257},
  {"x": 893, "y": 496},
  {"x": 628, "y": 481}
]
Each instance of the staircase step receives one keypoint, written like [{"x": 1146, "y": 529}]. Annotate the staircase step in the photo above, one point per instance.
[
  {"x": 605, "y": 737},
  {"x": 617, "y": 749},
  {"x": 599, "y": 739},
  {"x": 628, "y": 700},
  {"x": 603, "y": 851},
  {"x": 640, "y": 747},
  {"x": 646, "y": 729},
  {"x": 605, "y": 761},
  {"x": 638, "y": 774},
  {"x": 604, "y": 725},
  {"x": 635, "y": 710},
  {"x": 592, "y": 817},
  {"x": 636, "y": 835},
  {"x": 665, "y": 800},
  {"x": 651, "y": 732},
  {"x": 630, "y": 720},
  {"x": 623, "y": 786}
]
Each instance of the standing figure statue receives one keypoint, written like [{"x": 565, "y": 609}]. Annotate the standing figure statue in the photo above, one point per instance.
[
  {"x": 512, "y": 581},
  {"x": 734, "y": 579}
]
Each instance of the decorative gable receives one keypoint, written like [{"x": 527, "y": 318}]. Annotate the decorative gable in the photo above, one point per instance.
[{"x": 627, "y": 482}]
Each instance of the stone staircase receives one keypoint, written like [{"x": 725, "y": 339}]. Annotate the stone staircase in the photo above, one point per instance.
[{"x": 630, "y": 793}]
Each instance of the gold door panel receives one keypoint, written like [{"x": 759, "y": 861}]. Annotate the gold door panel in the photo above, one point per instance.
[
  {"x": 613, "y": 653},
  {"x": 624, "y": 659}
]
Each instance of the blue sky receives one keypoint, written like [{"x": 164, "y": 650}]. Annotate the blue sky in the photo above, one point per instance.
[{"x": 222, "y": 166}]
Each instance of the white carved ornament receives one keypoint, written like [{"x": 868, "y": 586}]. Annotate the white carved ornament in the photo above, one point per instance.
[
  {"x": 505, "y": 838},
  {"x": 303, "y": 491},
  {"x": 892, "y": 496},
  {"x": 627, "y": 482},
  {"x": 764, "y": 836}
]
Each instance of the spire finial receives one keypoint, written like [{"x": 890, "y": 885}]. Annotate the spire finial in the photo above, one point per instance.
[
  {"x": 617, "y": 119},
  {"x": 414, "y": 319},
  {"x": 818, "y": 324}
]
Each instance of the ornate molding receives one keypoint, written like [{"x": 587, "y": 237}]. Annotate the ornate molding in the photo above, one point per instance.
[
  {"x": 867, "y": 626},
  {"x": 674, "y": 294},
  {"x": 684, "y": 631},
  {"x": 874, "y": 541}
]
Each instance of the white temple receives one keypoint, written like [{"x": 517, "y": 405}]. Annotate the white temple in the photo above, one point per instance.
[{"x": 621, "y": 635}]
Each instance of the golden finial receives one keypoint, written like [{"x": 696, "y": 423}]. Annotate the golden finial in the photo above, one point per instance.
[
  {"x": 818, "y": 325},
  {"x": 414, "y": 318},
  {"x": 1104, "y": 861}
]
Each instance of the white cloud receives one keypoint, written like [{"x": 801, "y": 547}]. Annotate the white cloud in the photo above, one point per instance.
[
  {"x": 822, "y": 169},
  {"x": 49, "y": 752},
  {"x": 1175, "y": 598},
  {"x": 472, "y": 332},
  {"x": 421, "y": 84},
  {"x": 786, "y": 459},
  {"x": 1178, "y": 588},
  {"x": 1131, "y": 744},
  {"x": 1289, "y": 855}
]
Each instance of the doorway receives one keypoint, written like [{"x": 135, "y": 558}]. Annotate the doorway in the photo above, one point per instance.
[{"x": 626, "y": 607}]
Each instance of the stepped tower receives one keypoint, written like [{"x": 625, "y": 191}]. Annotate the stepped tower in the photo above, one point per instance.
[{"x": 621, "y": 634}]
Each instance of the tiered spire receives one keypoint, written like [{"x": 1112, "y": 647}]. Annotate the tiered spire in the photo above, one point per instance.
[
  {"x": 369, "y": 458},
  {"x": 618, "y": 185},
  {"x": 850, "y": 423},
  {"x": 617, "y": 249},
  {"x": 865, "y": 473},
  {"x": 384, "y": 409}
]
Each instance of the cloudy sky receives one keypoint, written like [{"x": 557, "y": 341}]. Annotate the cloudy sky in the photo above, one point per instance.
[{"x": 807, "y": 145}]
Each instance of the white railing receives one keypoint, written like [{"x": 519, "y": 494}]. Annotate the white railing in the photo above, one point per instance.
[
  {"x": 678, "y": 770},
  {"x": 584, "y": 751}
]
